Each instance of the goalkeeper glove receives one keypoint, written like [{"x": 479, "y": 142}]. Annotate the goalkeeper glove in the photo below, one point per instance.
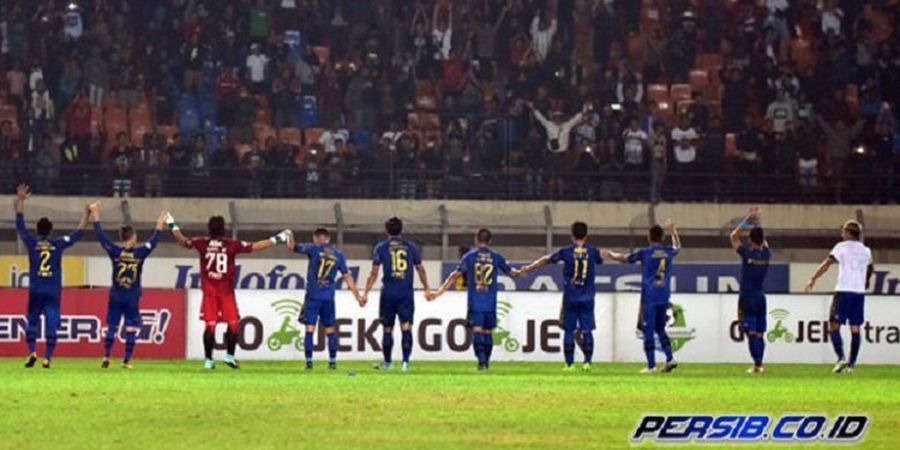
[
  {"x": 170, "y": 222},
  {"x": 280, "y": 238}
]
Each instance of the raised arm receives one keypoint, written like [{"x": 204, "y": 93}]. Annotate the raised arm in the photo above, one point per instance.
[
  {"x": 22, "y": 194},
  {"x": 673, "y": 231},
  {"x": 283, "y": 237},
  {"x": 736, "y": 235},
  {"x": 182, "y": 240},
  {"x": 823, "y": 267},
  {"x": 104, "y": 239}
]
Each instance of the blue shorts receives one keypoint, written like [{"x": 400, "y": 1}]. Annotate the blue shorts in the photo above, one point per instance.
[
  {"x": 46, "y": 304},
  {"x": 576, "y": 315},
  {"x": 318, "y": 311},
  {"x": 652, "y": 319},
  {"x": 390, "y": 308},
  {"x": 121, "y": 307},
  {"x": 486, "y": 320},
  {"x": 755, "y": 322},
  {"x": 848, "y": 307}
]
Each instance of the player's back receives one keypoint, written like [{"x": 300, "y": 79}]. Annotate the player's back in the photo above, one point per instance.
[
  {"x": 853, "y": 259},
  {"x": 45, "y": 264},
  {"x": 397, "y": 258},
  {"x": 325, "y": 261},
  {"x": 482, "y": 267},
  {"x": 217, "y": 261},
  {"x": 656, "y": 261},
  {"x": 579, "y": 270},
  {"x": 754, "y": 267}
]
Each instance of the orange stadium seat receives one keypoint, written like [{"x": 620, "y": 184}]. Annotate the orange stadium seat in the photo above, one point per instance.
[
  {"x": 658, "y": 93},
  {"x": 291, "y": 134},
  {"x": 731, "y": 149},
  {"x": 312, "y": 135},
  {"x": 680, "y": 92},
  {"x": 169, "y": 131},
  {"x": 802, "y": 53},
  {"x": 322, "y": 52},
  {"x": 262, "y": 132}
]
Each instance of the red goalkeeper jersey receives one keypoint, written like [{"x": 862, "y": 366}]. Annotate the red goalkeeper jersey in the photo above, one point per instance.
[{"x": 217, "y": 262}]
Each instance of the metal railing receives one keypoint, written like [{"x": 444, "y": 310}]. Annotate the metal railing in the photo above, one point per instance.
[{"x": 509, "y": 184}]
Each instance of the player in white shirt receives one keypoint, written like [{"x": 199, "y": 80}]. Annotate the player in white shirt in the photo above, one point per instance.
[{"x": 854, "y": 271}]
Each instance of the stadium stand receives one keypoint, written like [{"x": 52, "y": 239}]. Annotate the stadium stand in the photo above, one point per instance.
[{"x": 383, "y": 69}]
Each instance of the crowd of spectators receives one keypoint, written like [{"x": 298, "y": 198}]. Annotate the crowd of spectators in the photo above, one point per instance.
[{"x": 588, "y": 99}]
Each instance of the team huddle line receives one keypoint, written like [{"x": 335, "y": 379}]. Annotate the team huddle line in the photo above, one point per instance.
[{"x": 398, "y": 258}]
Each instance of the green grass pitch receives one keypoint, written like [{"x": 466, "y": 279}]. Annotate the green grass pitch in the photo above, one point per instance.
[{"x": 278, "y": 405}]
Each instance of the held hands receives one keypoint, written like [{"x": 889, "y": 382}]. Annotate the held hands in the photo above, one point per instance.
[
  {"x": 93, "y": 211},
  {"x": 281, "y": 238},
  {"x": 669, "y": 225},
  {"x": 810, "y": 285},
  {"x": 170, "y": 222},
  {"x": 362, "y": 300},
  {"x": 161, "y": 221},
  {"x": 431, "y": 296},
  {"x": 23, "y": 192}
]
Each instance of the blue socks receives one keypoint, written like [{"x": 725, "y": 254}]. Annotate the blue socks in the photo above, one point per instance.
[
  {"x": 666, "y": 344},
  {"x": 31, "y": 333},
  {"x": 478, "y": 345},
  {"x": 855, "y": 342},
  {"x": 51, "y": 343},
  {"x": 569, "y": 347},
  {"x": 407, "y": 345},
  {"x": 650, "y": 351},
  {"x": 108, "y": 340},
  {"x": 387, "y": 346},
  {"x": 587, "y": 346},
  {"x": 130, "y": 340},
  {"x": 308, "y": 346},
  {"x": 757, "y": 347},
  {"x": 332, "y": 347},
  {"x": 838, "y": 342},
  {"x": 488, "y": 341}
]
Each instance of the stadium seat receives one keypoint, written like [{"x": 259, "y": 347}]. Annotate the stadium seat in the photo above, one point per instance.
[
  {"x": 426, "y": 102},
  {"x": 214, "y": 135},
  {"x": 431, "y": 122},
  {"x": 262, "y": 132},
  {"x": 424, "y": 87},
  {"x": 413, "y": 121},
  {"x": 700, "y": 82},
  {"x": 312, "y": 135},
  {"x": 682, "y": 107},
  {"x": 710, "y": 62},
  {"x": 851, "y": 96},
  {"x": 658, "y": 93},
  {"x": 665, "y": 110},
  {"x": 679, "y": 92},
  {"x": 322, "y": 52},
  {"x": 291, "y": 134},
  {"x": 115, "y": 121},
  {"x": 263, "y": 115},
  {"x": 169, "y": 132},
  {"x": 207, "y": 111}
]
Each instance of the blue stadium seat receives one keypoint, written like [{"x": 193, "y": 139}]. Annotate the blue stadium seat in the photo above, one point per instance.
[
  {"x": 208, "y": 110},
  {"x": 188, "y": 115},
  {"x": 214, "y": 135}
]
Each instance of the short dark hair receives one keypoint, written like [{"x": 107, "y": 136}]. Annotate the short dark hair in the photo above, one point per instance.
[
  {"x": 656, "y": 233},
  {"x": 216, "y": 226},
  {"x": 321, "y": 232},
  {"x": 126, "y": 232},
  {"x": 484, "y": 236},
  {"x": 44, "y": 227},
  {"x": 393, "y": 226},
  {"x": 853, "y": 228},
  {"x": 579, "y": 230},
  {"x": 757, "y": 236}
]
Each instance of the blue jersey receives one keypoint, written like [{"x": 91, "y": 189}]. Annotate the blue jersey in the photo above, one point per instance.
[
  {"x": 481, "y": 267},
  {"x": 579, "y": 270},
  {"x": 397, "y": 258},
  {"x": 45, "y": 258},
  {"x": 127, "y": 263},
  {"x": 656, "y": 262},
  {"x": 325, "y": 261},
  {"x": 754, "y": 266}
]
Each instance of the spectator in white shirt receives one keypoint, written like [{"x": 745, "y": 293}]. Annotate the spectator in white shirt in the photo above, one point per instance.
[
  {"x": 558, "y": 131},
  {"x": 329, "y": 138},
  {"x": 777, "y": 18},
  {"x": 635, "y": 142},
  {"x": 256, "y": 68},
  {"x": 442, "y": 31},
  {"x": 684, "y": 139},
  {"x": 832, "y": 15},
  {"x": 543, "y": 28}
]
